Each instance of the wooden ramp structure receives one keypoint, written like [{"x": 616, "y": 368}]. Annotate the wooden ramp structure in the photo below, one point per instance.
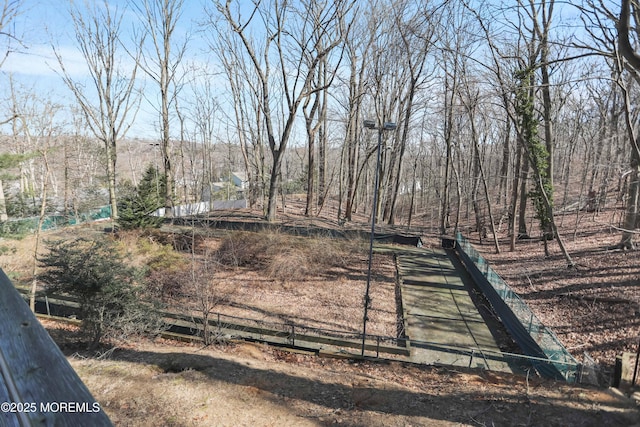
[
  {"x": 441, "y": 321},
  {"x": 38, "y": 386}
]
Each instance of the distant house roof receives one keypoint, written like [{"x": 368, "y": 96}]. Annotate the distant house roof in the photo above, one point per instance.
[
  {"x": 239, "y": 179},
  {"x": 240, "y": 175}
]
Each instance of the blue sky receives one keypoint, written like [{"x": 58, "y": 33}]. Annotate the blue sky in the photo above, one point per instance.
[
  {"x": 43, "y": 21},
  {"x": 33, "y": 65}
]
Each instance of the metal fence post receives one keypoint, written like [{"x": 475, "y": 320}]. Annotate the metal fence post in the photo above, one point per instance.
[
  {"x": 293, "y": 335},
  {"x": 635, "y": 369}
]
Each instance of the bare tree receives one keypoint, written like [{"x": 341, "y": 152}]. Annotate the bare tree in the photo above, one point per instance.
[
  {"x": 110, "y": 105},
  {"x": 312, "y": 125},
  {"x": 451, "y": 48},
  {"x": 244, "y": 99},
  {"x": 36, "y": 124},
  {"x": 358, "y": 48},
  {"x": 315, "y": 105},
  {"x": 541, "y": 27},
  {"x": 198, "y": 128},
  {"x": 519, "y": 96},
  {"x": 470, "y": 100},
  {"x": 628, "y": 9},
  {"x": 417, "y": 34},
  {"x": 43, "y": 150},
  {"x": 287, "y": 60},
  {"x": 9, "y": 10},
  {"x": 159, "y": 19},
  {"x": 613, "y": 36},
  {"x": 204, "y": 294}
]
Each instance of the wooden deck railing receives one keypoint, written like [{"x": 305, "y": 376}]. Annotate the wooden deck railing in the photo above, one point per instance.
[{"x": 38, "y": 386}]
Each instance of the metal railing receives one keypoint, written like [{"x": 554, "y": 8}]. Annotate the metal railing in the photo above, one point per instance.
[
  {"x": 535, "y": 339},
  {"x": 224, "y": 325},
  {"x": 27, "y": 225}
]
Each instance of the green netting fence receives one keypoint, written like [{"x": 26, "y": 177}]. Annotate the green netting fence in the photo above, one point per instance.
[
  {"x": 29, "y": 225},
  {"x": 527, "y": 330}
]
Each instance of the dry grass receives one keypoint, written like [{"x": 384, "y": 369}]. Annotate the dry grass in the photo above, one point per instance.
[
  {"x": 17, "y": 256},
  {"x": 315, "y": 282},
  {"x": 270, "y": 276}
]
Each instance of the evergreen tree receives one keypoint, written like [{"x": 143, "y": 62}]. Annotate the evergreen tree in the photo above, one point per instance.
[
  {"x": 93, "y": 271},
  {"x": 137, "y": 204}
]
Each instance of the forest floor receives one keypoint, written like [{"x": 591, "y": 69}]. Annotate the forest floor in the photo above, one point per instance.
[{"x": 594, "y": 308}]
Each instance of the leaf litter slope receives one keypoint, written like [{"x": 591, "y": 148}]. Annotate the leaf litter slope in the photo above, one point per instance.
[
  {"x": 594, "y": 308},
  {"x": 164, "y": 383},
  {"x": 306, "y": 281}
]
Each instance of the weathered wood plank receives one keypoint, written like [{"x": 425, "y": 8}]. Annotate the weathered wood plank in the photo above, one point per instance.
[
  {"x": 38, "y": 386},
  {"x": 5, "y": 419}
]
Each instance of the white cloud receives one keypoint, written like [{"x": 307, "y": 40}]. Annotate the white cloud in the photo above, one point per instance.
[{"x": 41, "y": 61}]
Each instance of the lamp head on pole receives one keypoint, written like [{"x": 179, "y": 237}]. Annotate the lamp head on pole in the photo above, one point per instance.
[{"x": 371, "y": 124}]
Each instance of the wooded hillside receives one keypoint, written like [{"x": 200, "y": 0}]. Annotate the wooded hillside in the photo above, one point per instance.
[{"x": 506, "y": 115}]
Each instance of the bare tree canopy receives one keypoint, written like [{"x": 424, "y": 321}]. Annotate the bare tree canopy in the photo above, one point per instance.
[
  {"x": 294, "y": 44},
  {"x": 10, "y": 9},
  {"x": 109, "y": 101},
  {"x": 161, "y": 62}
]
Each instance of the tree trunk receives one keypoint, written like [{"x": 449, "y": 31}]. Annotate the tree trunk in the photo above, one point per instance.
[
  {"x": 3, "y": 204},
  {"x": 514, "y": 197},
  {"x": 274, "y": 180},
  {"x": 312, "y": 129},
  {"x": 448, "y": 161},
  {"x": 522, "y": 213},
  {"x": 626, "y": 49},
  {"x": 311, "y": 166},
  {"x": 633, "y": 197},
  {"x": 110, "y": 149},
  {"x": 352, "y": 136},
  {"x": 504, "y": 169},
  {"x": 480, "y": 228},
  {"x": 322, "y": 143},
  {"x": 403, "y": 144},
  {"x": 43, "y": 209},
  {"x": 166, "y": 159},
  {"x": 413, "y": 192}
]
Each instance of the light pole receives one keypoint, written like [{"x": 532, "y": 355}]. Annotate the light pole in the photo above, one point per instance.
[{"x": 370, "y": 124}]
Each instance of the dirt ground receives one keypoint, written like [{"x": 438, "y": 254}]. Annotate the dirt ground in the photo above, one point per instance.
[
  {"x": 332, "y": 301},
  {"x": 241, "y": 384}
]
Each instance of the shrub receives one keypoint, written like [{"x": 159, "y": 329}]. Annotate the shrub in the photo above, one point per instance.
[
  {"x": 242, "y": 249},
  {"x": 18, "y": 229},
  {"x": 94, "y": 272},
  {"x": 19, "y": 206},
  {"x": 283, "y": 256}
]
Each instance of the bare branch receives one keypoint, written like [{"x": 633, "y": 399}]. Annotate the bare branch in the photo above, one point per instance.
[{"x": 111, "y": 113}]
